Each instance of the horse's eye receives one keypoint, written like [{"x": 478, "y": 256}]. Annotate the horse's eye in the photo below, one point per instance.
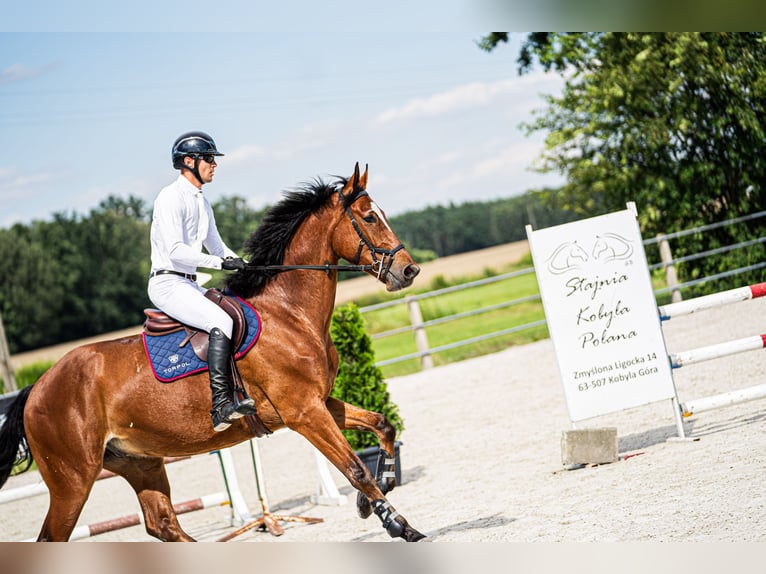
[{"x": 372, "y": 218}]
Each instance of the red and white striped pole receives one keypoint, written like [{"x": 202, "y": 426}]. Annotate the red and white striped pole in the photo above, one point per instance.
[
  {"x": 86, "y": 531},
  {"x": 713, "y": 300}
]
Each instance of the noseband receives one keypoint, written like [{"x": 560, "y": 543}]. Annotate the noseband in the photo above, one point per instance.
[{"x": 379, "y": 266}]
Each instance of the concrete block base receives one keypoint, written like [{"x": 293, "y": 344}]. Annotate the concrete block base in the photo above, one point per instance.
[{"x": 589, "y": 446}]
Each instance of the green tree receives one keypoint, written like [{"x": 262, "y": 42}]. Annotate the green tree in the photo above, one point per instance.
[
  {"x": 359, "y": 381},
  {"x": 447, "y": 230},
  {"x": 673, "y": 121},
  {"x": 32, "y": 288},
  {"x": 74, "y": 277},
  {"x": 235, "y": 220}
]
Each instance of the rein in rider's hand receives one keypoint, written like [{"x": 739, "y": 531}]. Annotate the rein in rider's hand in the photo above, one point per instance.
[{"x": 232, "y": 264}]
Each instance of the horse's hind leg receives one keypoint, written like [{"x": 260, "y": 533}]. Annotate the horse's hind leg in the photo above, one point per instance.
[
  {"x": 351, "y": 417},
  {"x": 69, "y": 463},
  {"x": 148, "y": 478},
  {"x": 69, "y": 489}
]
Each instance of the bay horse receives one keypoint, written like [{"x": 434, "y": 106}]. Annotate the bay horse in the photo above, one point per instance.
[{"x": 100, "y": 405}]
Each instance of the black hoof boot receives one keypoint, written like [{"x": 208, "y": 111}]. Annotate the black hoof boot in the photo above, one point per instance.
[
  {"x": 385, "y": 472},
  {"x": 394, "y": 523}
]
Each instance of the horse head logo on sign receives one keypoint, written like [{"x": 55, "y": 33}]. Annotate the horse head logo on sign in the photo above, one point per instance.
[{"x": 606, "y": 247}]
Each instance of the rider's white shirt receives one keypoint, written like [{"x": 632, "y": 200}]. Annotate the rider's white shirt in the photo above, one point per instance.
[{"x": 175, "y": 226}]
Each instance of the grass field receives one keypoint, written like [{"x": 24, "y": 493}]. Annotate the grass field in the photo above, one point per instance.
[
  {"x": 473, "y": 298},
  {"x": 401, "y": 344}
]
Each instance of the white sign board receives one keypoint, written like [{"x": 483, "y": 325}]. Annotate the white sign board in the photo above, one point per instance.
[{"x": 601, "y": 313}]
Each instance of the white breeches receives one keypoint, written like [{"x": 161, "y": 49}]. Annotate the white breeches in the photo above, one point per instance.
[{"x": 185, "y": 301}]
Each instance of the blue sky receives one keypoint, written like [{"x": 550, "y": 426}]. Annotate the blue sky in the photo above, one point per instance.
[{"x": 88, "y": 115}]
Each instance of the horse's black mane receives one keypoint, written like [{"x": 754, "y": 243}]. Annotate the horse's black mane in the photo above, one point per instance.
[{"x": 267, "y": 245}]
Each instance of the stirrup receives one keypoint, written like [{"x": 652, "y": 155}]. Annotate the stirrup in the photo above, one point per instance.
[
  {"x": 245, "y": 407},
  {"x": 222, "y": 416}
]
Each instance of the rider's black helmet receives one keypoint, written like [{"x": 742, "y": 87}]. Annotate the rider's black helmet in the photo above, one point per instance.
[{"x": 193, "y": 144}]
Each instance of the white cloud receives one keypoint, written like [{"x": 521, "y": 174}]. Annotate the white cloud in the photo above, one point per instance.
[
  {"x": 16, "y": 184},
  {"x": 443, "y": 159},
  {"x": 516, "y": 157},
  {"x": 307, "y": 138},
  {"x": 20, "y": 72},
  {"x": 473, "y": 95},
  {"x": 460, "y": 98},
  {"x": 22, "y": 193},
  {"x": 245, "y": 154},
  {"x": 510, "y": 164},
  {"x": 452, "y": 180}
]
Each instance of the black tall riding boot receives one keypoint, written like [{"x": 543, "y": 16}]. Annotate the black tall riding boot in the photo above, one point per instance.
[{"x": 221, "y": 387}]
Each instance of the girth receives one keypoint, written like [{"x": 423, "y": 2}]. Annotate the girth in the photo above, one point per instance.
[{"x": 159, "y": 323}]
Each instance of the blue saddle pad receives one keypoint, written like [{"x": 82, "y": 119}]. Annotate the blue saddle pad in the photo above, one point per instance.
[{"x": 171, "y": 362}]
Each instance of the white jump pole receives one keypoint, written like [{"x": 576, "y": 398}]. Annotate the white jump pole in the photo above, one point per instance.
[
  {"x": 692, "y": 356},
  {"x": 38, "y": 488},
  {"x": 752, "y": 343},
  {"x": 232, "y": 485},
  {"x": 327, "y": 492},
  {"x": 723, "y": 400},
  {"x": 21, "y": 492}
]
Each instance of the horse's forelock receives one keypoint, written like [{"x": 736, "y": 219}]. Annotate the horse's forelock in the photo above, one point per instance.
[{"x": 353, "y": 195}]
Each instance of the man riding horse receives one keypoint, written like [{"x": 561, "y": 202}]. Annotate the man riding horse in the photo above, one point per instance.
[{"x": 182, "y": 224}]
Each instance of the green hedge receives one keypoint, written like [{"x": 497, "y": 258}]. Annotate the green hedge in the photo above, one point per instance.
[{"x": 359, "y": 381}]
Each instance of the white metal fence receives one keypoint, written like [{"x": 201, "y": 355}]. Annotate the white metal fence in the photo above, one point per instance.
[{"x": 418, "y": 326}]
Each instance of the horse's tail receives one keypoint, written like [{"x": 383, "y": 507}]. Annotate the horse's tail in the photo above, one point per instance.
[{"x": 14, "y": 449}]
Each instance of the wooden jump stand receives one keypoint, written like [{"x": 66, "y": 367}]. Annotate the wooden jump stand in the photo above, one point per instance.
[{"x": 267, "y": 522}]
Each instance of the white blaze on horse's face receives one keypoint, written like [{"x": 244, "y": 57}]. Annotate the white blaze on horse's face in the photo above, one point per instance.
[{"x": 379, "y": 212}]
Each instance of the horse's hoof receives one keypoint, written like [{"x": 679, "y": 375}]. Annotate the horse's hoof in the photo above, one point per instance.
[
  {"x": 412, "y": 535},
  {"x": 363, "y": 506}
]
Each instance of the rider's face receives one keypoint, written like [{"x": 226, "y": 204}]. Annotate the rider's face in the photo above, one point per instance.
[{"x": 207, "y": 168}]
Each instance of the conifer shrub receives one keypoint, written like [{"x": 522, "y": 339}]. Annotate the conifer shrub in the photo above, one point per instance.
[{"x": 359, "y": 381}]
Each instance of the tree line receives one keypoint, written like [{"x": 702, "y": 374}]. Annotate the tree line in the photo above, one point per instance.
[
  {"x": 675, "y": 122},
  {"x": 77, "y": 276}
]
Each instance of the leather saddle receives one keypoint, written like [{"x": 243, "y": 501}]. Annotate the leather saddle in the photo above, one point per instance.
[{"x": 158, "y": 323}]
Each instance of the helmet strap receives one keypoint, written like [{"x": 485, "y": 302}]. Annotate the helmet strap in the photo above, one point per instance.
[{"x": 195, "y": 170}]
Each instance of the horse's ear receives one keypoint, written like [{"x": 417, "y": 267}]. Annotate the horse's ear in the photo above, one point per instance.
[
  {"x": 355, "y": 178},
  {"x": 363, "y": 181}
]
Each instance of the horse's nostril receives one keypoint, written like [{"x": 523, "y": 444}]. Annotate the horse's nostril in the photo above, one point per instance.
[{"x": 411, "y": 271}]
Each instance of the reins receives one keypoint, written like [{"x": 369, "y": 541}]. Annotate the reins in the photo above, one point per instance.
[
  {"x": 379, "y": 266},
  {"x": 326, "y": 267}
]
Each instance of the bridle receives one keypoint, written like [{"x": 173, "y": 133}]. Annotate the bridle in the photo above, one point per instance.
[{"x": 380, "y": 266}]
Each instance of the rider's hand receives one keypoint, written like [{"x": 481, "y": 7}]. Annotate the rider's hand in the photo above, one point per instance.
[{"x": 232, "y": 264}]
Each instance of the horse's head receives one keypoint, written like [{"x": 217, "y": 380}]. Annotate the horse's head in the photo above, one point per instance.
[{"x": 366, "y": 238}]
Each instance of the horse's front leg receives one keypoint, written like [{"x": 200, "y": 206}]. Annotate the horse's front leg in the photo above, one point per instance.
[
  {"x": 350, "y": 417},
  {"x": 319, "y": 428}
]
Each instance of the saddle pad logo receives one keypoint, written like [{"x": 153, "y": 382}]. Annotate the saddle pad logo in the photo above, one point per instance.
[{"x": 170, "y": 361}]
